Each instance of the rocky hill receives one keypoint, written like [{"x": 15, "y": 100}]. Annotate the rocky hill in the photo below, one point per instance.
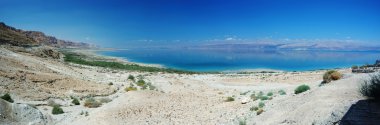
[
  {"x": 14, "y": 36},
  {"x": 18, "y": 37}
]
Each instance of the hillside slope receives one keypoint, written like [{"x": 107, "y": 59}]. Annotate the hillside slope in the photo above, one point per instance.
[
  {"x": 17, "y": 37},
  {"x": 14, "y": 36}
]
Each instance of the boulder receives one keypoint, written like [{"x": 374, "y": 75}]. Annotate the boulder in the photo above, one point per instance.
[{"x": 20, "y": 114}]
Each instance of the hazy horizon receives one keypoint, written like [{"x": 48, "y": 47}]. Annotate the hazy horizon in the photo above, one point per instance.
[{"x": 148, "y": 22}]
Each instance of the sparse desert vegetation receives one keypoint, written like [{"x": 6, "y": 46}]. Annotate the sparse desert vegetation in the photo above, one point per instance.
[
  {"x": 7, "y": 97},
  {"x": 140, "y": 82},
  {"x": 92, "y": 103},
  {"x": 254, "y": 108},
  {"x": 105, "y": 100},
  {"x": 131, "y": 77},
  {"x": 75, "y": 101},
  {"x": 130, "y": 88},
  {"x": 242, "y": 122},
  {"x": 371, "y": 87},
  {"x": 270, "y": 94},
  {"x": 230, "y": 99},
  {"x": 244, "y": 93},
  {"x": 301, "y": 89},
  {"x": 57, "y": 110},
  {"x": 264, "y": 98},
  {"x": 259, "y": 111},
  {"x": 261, "y": 104},
  {"x": 253, "y": 97},
  {"x": 281, "y": 92},
  {"x": 331, "y": 75}
]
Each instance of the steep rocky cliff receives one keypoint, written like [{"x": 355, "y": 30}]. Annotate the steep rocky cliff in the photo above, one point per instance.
[{"x": 13, "y": 36}]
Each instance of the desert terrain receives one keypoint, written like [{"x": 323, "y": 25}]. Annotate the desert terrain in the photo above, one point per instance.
[{"x": 37, "y": 77}]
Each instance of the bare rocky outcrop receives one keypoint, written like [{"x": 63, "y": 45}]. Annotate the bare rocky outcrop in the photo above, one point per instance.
[
  {"x": 13, "y": 36},
  {"x": 18, "y": 37},
  {"x": 18, "y": 114},
  {"x": 46, "y": 52}
]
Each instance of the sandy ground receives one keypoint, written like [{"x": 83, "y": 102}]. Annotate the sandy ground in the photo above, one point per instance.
[{"x": 179, "y": 98}]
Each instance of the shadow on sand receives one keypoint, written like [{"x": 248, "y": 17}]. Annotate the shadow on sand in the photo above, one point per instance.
[{"x": 364, "y": 112}]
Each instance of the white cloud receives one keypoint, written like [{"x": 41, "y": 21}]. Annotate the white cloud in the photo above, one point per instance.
[{"x": 230, "y": 38}]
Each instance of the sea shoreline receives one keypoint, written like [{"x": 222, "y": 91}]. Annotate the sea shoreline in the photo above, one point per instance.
[{"x": 94, "y": 53}]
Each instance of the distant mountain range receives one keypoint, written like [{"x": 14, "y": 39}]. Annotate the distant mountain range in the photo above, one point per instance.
[
  {"x": 315, "y": 46},
  {"x": 18, "y": 37}
]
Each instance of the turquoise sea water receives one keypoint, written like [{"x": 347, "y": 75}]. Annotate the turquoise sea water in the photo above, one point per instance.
[{"x": 225, "y": 60}]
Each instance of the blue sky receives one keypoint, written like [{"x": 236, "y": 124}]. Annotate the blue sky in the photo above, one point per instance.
[{"x": 118, "y": 23}]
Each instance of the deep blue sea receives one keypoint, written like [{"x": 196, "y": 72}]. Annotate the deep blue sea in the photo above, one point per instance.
[{"x": 227, "y": 60}]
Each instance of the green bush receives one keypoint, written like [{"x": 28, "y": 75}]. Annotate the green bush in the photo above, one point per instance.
[
  {"x": 7, "y": 97},
  {"x": 92, "y": 103},
  {"x": 254, "y": 108},
  {"x": 371, "y": 87},
  {"x": 141, "y": 83},
  {"x": 264, "y": 97},
  {"x": 282, "y": 92},
  {"x": 301, "y": 88},
  {"x": 230, "y": 99},
  {"x": 131, "y": 77},
  {"x": 261, "y": 104},
  {"x": 57, "y": 110},
  {"x": 270, "y": 94},
  {"x": 331, "y": 75},
  {"x": 242, "y": 122},
  {"x": 75, "y": 101}
]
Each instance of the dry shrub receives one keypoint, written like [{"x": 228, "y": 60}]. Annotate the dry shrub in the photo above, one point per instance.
[
  {"x": 92, "y": 103},
  {"x": 258, "y": 112},
  {"x": 336, "y": 76},
  {"x": 105, "y": 100},
  {"x": 331, "y": 75}
]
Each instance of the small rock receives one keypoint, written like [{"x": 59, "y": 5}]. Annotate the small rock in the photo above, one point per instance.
[{"x": 245, "y": 100}]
